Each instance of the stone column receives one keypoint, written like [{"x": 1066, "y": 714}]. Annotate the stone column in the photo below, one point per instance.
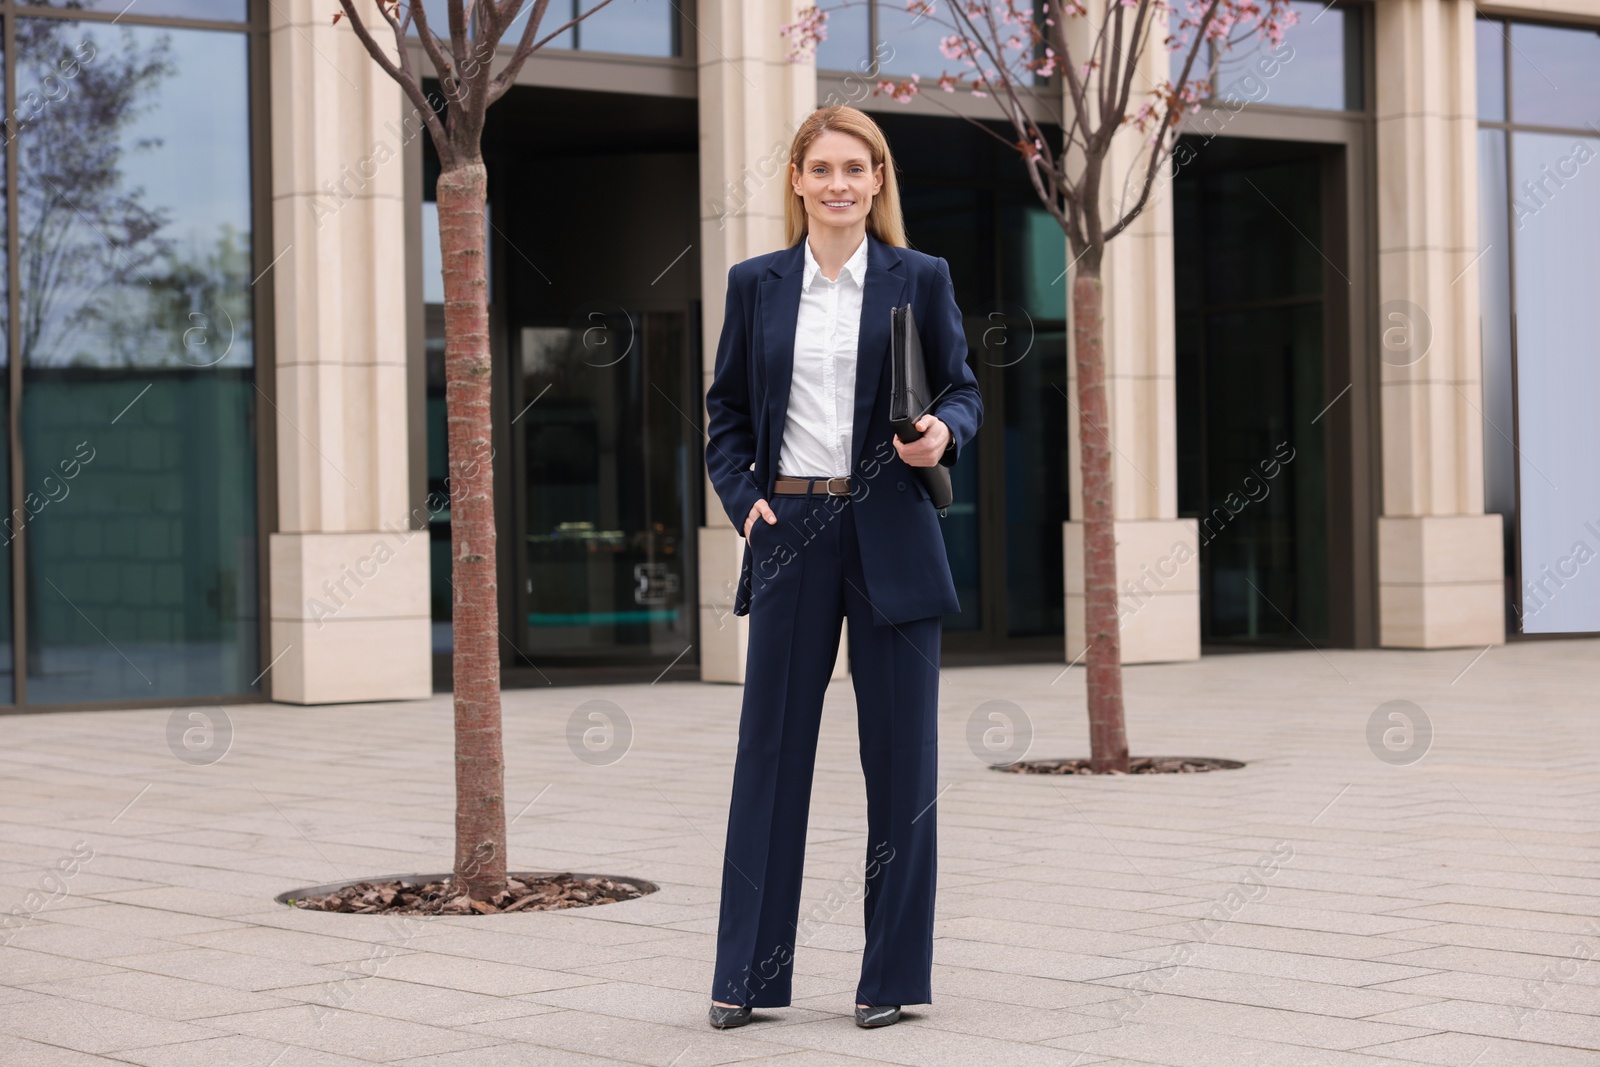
[
  {"x": 349, "y": 575},
  {"x": 1440, "y": 571},
  {"x": 1158, "y": 562},
  {"x": 752, "y": 99}
]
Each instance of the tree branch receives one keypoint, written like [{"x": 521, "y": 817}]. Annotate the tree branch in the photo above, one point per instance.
[
  {"x": 1135, "y": 48},
  {"x": 443, "y": 66},
  {"x": 406, "y": 78},
  {"x": 526, "y": 46},
  {"x": 1169, "y": 123},
  {"x": 1076, "y": 90}
]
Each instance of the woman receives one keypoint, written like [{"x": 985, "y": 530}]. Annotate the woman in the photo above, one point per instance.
[{"x": 837, "y": 526}]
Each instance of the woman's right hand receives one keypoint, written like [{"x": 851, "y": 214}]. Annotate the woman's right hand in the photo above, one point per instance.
[{"x": 761, "y": 510}]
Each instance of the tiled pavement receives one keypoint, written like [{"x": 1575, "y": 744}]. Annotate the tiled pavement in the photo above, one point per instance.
[{"x": 1364, "y": 910}]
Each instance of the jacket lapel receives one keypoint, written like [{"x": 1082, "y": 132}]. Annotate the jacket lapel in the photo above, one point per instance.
[
  {"x": 885, "y": 283},
  {"x": 780, "y": 313}
]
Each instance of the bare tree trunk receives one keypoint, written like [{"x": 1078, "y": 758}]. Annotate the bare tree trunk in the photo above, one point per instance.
[
  {"x": 480, "y": 864},
  {"x": 1108, "y": 738}
]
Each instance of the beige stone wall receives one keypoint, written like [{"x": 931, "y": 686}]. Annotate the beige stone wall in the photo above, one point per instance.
[
  {"x": 348, "y": 587},
  {"x": 1440, "y": 578},
  {"x": 752, "y": 99},
  {"x": 1160, "y": 619},
  {"x": 340, "y": 359}
]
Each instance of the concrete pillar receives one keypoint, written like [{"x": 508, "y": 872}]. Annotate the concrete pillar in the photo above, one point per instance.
[
  {"x": 752, "y": 99},
  {"x": 349, "y": 577},
  {"x": 1158, "y": 562},
  {"x": 1440, "y": 570}
]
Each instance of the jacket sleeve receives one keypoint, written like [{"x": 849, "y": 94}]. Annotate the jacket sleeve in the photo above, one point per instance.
[
  {"x": 730, "y": 430},
  {"x": 944, "y": 346}
]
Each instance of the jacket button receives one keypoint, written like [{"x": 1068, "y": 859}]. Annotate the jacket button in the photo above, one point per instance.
[{"x": 899, "y": 485}]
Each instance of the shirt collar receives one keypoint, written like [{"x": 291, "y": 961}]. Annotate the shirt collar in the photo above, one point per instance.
[{"x": 855, "y": 266}]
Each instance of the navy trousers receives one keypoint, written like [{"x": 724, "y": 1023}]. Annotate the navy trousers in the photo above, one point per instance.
[{"x": 807, "y": 577}]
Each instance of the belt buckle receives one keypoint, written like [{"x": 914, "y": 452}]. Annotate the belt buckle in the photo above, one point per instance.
[{"x": 844, "y": 483}]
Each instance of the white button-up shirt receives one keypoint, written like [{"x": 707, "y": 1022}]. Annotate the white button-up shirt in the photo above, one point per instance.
[{"x": 822, "y": 389}]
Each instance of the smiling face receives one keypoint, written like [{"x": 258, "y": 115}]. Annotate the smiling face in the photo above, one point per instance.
[{"x": 838, "y": 181}]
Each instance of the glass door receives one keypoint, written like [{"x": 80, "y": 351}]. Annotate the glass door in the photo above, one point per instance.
[
  {"x": 606, "y": 468},
  {"x": 1252, "y": 385}
]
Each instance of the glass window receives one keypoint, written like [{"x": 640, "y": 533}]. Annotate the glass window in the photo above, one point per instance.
[
  {"x": 1555, "y": 76},
  {"x": 1491, "y": 70},
  {"x": 1494, "y": 303},
  {"x": 845, "y": 47},
  {"x": 623, "y": 27},
  {"x": 1556, "y": 212},
  {"x": 8, "y": 529},
  {"x": 1539, "y": 224},
  {"x": 217, "y": 10},
  {"x": 138, "y": 367},
  {"x": 912, "y": 42},
  {"x": 629, "y": 27},
  {"x": 907, "y": 42},
  {"x": 1250, "y": 365},
  {"x": 1318, "y": 64}
]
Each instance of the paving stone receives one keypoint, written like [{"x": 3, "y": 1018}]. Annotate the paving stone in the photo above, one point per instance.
[
  {"x": 1289, "y": 994},
  {"x": 512, "y": 1054},
  {"x": 1247, "y": 1020},
  {"x": 157, "y": 995},
  {"x": 432, "y": 1004},
  {"x": 227, "y": 1051},
  {"x": 232, "y": 969},
  {"x": 1456, "y": 1049},
  {"x": 1521, "y": 1021},
  {"x": 1152, "y": 1043},
  {"x": 1419, "y": 917},
  {"x": 15, "y": 1050},
  {"x": 479, "y": 976},
  {"x": 294, "y": 945},
  {"x": 347, "y": 1032},
  {"x": 635, "y": 1041},
  {"x": 1311, "y": 967},
  {"x": 95, "y": 1028}
]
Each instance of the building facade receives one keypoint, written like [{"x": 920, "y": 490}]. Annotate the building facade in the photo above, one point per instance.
[{"x": 1351, "y": 346}]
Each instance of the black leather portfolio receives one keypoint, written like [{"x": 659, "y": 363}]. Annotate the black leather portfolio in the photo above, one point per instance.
[{"x": 910, "y": 398}]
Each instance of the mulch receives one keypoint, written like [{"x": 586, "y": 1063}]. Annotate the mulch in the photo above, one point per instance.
[
  {"x": 1136, "y": 765},
  {"x": 524, "y": 892}
]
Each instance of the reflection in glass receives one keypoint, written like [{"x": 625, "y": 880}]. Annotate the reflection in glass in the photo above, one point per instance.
[
  {"x": 1033, "y": 263},
  {"x": 962, "y": 538},
  {"x": 624, "y": 27},
  {"x": 606, "y": 461},
  {"x": 1251, "y": 465},
  {"x": 1318, "y": 65},
  {"x": 1556, "y": 231},
  {"x": 1035, "y": 396},
  {"x": 1494, "y": 304},
  {"x": 845, "y": 47},
  {"x": 1491, "y": 44},
  {"x": 217, "y": 10},
  {"x": 441, "y": 608},
  {"x": 138, "y": 399},
  {"x": 914, "y": 39},
  {"x": 1555, "y": 76},
  {"x": 964, "y": 201},
  {"x": 635, "y": 28},
  {"x": 7, "y": 530},
  {"x": 909, "y": 40}
]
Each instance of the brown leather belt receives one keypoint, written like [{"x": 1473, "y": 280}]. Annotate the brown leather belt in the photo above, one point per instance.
[{"x": 802, "y": 486}]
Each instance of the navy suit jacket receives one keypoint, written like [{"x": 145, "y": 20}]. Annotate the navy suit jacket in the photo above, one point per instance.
[{"x": 902, "y": 550}]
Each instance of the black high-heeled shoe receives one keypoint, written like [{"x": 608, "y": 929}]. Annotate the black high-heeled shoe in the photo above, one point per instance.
[
  {"x": 722, "y": 1018},
  {"x": 877, "y": 1015}
]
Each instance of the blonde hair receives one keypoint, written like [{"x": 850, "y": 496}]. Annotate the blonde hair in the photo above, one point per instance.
[{"x": 884, "y": 220}]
